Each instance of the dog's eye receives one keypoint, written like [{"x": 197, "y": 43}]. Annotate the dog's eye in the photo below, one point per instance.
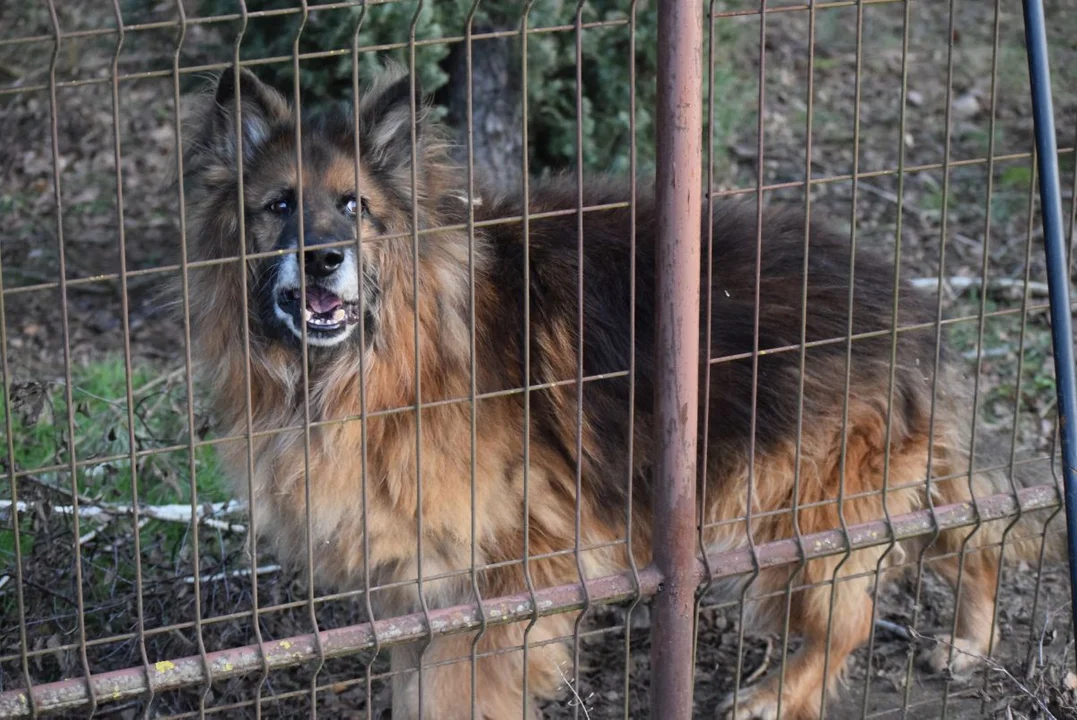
[
  {"x": 281, "y": 206},
  {"x": 352, "y": 206}
]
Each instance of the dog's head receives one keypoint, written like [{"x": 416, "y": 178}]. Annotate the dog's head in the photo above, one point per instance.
[{"x": 309, "y": 192}]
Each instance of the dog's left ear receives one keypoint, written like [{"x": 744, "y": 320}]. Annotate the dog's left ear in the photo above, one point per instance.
[
  {"x": 261, "y": 107},
  {"x": 386, "y": 117}
]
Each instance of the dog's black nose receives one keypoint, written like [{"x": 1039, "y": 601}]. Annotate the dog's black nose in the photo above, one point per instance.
[{"x": 324, "y": 262}]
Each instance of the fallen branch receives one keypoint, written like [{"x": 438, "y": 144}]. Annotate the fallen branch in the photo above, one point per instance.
[
  {"x": 165, "y": 513},
  {"x": 763, "y": 665},
  {"x": 960, "y": 283},
  {"x": 990, "y": 663},
  {"x": 95, "y": 532},
  {"x": 246, "y": 572},
  {"x": 577, "y": 701},
  {"x": 159, "y": 380},
  {"x": 893, "y": 628},
  {"x": 906, "y": 205},
  {"x": 58, "y": 489}
]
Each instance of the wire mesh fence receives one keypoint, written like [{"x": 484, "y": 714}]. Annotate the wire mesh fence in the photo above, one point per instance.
[{"x": 585, "y": 359}]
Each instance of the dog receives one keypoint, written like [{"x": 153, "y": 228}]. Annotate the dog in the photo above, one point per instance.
[{"x": 394, "y": 305}]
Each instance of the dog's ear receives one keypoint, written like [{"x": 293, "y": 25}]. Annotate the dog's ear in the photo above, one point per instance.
[
  {"x": 261, "y": 107},
  {"x": 385, "y": 114}
]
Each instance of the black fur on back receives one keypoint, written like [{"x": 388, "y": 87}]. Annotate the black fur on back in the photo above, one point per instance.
[{"x": 552, "y": 244}]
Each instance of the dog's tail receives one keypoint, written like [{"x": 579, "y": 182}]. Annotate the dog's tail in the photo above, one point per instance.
[{"x": 1031, "y": 536}]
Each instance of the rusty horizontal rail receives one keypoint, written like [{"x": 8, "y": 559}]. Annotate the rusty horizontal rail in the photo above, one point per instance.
[{"x": 191, "y": 671}]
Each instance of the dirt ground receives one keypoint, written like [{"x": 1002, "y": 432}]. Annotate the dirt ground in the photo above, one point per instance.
[{"x": 948, "y": 228}]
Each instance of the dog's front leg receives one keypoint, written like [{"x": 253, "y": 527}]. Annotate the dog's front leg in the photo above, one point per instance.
[{"x": 447, "y": 665}]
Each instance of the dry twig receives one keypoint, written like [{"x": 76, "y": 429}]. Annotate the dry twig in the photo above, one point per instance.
[
  {"x": 166, "y": 513},
  {"x": 960, "y": 283},
  {"x": 245, "y": 572}
]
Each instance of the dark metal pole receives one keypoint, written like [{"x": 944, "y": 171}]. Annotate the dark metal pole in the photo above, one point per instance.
[
  {"x": 678, "y": 187},
  {"x": 1057, "y": 267}
]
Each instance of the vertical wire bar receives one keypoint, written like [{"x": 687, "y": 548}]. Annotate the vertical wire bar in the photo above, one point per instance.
[
  {"x": 1018, "y": 389},
  {"x": 1057, "y": 270},
  {"x": 936, "y": 359},
  {"x": 678, "y": 188},
  {"x": 305, "y": 355},
  {"x": 749, "y": 494},
  {"x": 248, "y": 401},
  {"x": 1071, "y": 236},
  {"x": 418, "y": 357},
  {"x": 65, "y": 326},
  {"x": 803, "y": 356},
  {"x": 473, "y": 380},
  {"x": 985, "y": 263},
  {"x": 708, "y": 325},
  {"x": 525, "y": 227},
  {"x": 849, "y": 328},
  {"x": 16, "y": 522},
  {"x": 363, "y": 420},
  {"x": 895, "y": 320},
  {"x": 579, "y": 356},
  {"x": 1072, "y": 232},
  {"x": 125, "y": 321},
  {"x": 631, "y": 352},
  {"x": 192, "y": 465},
  {"x": 981, "y": 324}
]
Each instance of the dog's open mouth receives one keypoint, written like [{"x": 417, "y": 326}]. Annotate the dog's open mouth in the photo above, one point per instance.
[{"x": 324, "y": 312}]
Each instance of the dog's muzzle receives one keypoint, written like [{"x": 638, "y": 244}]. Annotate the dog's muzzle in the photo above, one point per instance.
[{"x": 330, "y": 308}]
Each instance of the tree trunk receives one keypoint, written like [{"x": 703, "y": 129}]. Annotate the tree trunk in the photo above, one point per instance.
[{"x": 496, "y": 108}]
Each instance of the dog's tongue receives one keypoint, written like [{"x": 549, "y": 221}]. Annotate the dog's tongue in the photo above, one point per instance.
[{"x": 322, "y": 301}]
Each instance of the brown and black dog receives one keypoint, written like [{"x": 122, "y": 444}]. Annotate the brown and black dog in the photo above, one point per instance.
[{"x": 442, "y": 317}]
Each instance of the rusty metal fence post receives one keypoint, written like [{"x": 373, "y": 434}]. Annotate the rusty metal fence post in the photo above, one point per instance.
[{"x": 678, "y": 188}]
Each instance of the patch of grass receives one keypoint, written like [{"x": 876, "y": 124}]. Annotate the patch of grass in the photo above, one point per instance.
[
  {"x": 1001, "y": 353},
  {"x": 933, "y": 200},
  {"x": 979, "y": 137},
  {"x": 1016, "y": 178},
  {"x": 40, "y": 430},
  {"x": 1013, "y": 70}
]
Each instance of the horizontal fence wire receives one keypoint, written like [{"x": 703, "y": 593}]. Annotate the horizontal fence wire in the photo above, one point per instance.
[{"x": 191, "y": 671}]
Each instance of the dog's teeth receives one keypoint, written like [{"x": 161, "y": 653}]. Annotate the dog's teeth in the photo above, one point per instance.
[
  {"x": 338, "y": 315},
  {"x": 321, "y": 321}
]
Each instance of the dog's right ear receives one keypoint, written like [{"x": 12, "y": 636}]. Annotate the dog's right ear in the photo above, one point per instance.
[{"x": 261, "y": 108}]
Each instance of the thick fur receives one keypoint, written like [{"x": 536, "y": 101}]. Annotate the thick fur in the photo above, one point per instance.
[{"x": 417, "y": 346}]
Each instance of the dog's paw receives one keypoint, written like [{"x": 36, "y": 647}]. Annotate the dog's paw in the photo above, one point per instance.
[
  {"x": 959, "y": 656},
  {"x": 759, "y": 702}
]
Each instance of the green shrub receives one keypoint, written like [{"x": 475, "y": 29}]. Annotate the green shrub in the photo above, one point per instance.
[{"x": 552, "y": 113}]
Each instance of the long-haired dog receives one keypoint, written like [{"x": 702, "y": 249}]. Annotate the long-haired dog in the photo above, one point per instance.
[{"x": 413, "y": 314}]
